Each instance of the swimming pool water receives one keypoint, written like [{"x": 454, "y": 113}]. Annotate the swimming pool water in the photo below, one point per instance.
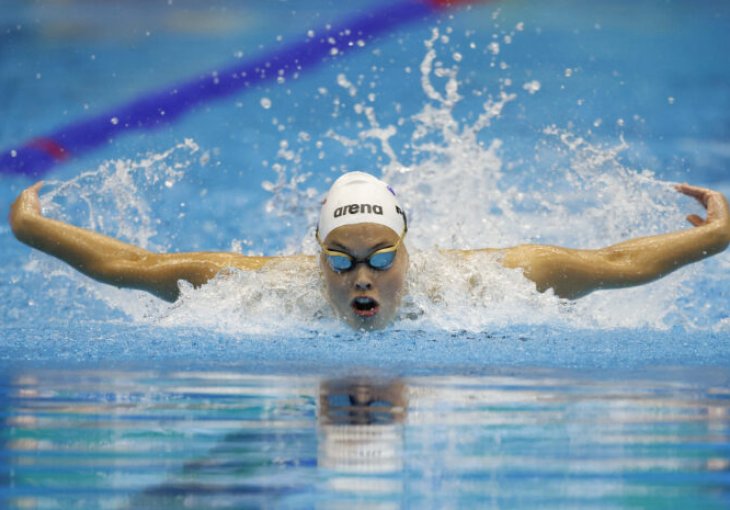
[
  {"x": 505, "y": 438},
  {"x": 232, "y": 399}
]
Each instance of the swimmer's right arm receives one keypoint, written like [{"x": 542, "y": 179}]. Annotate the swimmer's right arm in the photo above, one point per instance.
[{"x": 115, "y": 262}]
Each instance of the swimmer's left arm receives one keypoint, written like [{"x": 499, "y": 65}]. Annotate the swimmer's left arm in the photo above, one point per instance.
[{"x": 574, "y": 273}]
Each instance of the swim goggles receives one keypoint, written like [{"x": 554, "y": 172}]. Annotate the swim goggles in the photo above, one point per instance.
[{"x": 379, "y": 260}]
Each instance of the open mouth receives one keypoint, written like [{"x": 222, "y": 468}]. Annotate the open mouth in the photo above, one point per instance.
[{"x": 364, "y": 306}]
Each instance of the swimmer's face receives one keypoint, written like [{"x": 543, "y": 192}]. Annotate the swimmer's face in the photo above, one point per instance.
[{"x": 364, "y": 297}]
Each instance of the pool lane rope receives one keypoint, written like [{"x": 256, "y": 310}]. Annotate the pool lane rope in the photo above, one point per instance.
[{"x": 39, "y": 155}]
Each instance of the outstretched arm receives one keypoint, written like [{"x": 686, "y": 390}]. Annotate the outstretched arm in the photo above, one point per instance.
[
  {"x": 112, "y": 261},
  {"x": 575, "y": 273}
]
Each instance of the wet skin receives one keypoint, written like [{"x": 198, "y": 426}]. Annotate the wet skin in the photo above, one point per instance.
[
  {"x": 364, "y": 297},
  {"x": 367, "y": 298}
]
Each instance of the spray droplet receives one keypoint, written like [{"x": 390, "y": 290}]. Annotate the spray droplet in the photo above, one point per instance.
[
  {"x": 114, "y": 121},
  {"x": 532, "y": 86},
  {"x": 265, "y": 103},
  {"x": 671, "y": 100}
]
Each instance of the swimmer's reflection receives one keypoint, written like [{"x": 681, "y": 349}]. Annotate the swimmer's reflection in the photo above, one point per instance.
[
  {"x": 355, "y": 446},
  {"x": 362, "y": 401},
  {"x": 361, "y": 434}
]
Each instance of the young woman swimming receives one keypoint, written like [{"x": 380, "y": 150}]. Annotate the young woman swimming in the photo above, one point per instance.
[{"x": 363, "y": 258}]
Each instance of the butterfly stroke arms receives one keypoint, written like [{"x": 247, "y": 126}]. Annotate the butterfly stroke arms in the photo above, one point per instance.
[
  {"x": 571, "y": 273},
  {"x": 111, "y": 261}
]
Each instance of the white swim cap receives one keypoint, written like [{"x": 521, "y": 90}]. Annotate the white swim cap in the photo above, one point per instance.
[{"x": 357, "y": 197}]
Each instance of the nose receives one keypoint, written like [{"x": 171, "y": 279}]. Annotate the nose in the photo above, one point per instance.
[{"x": 363, "y": 280}]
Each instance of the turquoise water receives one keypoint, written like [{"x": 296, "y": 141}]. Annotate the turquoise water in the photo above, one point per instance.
[
  {"x": 504, "y": 438},
  {"x": 498, "y": 124}
]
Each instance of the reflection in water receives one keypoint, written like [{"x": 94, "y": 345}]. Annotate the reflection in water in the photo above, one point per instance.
[
  {"x": 233, "y": 440},
  {"x": 361, "y": 436}
]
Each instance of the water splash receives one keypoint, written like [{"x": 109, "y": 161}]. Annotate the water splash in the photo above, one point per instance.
[
  {"x": 574, "y": 192},
  {"x": 287, "y": 296},
  {"x": 459, "y": 193},
  {"x": 111, "y": 199},
  {"x": 120, "y": 198},
  {"x": 475, "y": 293}
]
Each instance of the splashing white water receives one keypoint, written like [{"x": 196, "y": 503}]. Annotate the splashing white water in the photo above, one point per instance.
[
  {"x": 458, "y": 193},
  {"x": 285, "y": 297},
  {"x": 110, "y": 197}
]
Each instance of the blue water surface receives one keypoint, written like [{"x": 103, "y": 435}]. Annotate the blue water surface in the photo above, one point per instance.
[{"x": 618, "y": 403}]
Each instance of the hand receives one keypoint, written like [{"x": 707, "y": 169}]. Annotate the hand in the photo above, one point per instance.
[
  {"x": 27, "y": 204},
  {"x": 714, "y": 201}
]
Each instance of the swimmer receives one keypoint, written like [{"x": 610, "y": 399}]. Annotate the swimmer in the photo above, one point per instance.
[{"x": 363, "y": 258}]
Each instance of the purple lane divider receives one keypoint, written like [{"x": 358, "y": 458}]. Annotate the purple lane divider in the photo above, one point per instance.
[{"x": 39, "y": 155}]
